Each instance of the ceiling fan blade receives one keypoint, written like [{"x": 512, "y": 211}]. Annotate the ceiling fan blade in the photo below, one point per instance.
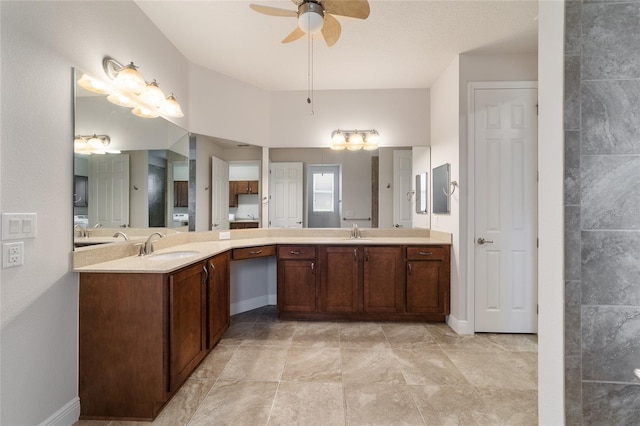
[
  {"x": 331, "y": 30},
  {"x": 295, "y": 35},
  {"x": 351, "y": 8},
  {"x": 274, "y": 11}
]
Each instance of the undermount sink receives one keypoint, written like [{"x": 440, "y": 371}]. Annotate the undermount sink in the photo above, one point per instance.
[{"x": 173, "y": 255}]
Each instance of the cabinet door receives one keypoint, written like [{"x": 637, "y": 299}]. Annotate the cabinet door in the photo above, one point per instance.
[
  {"x": 233, "y": 195},
  {"x": 426, "y": 292},
  {"x": 218, "y": 298},
  {"x": 383, "y": 279},
  {"x": 252, "y": 187},
  {"x": 297, "y": 283},
  {"x": 187, "y": 326},
  {"x": 339, "y": 279},
  {"x": 181, "y": 193}
]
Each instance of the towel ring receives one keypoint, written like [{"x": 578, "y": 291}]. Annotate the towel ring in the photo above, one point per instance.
[{"x": 454, "y": 185}]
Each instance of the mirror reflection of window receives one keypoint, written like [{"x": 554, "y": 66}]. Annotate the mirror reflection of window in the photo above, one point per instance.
[{"x": 323, "y": 192}]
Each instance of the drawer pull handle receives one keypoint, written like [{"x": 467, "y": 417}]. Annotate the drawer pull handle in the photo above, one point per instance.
[
  {"x": 206, "y": 275},
  {"x": 409, "y": 267},
  {"x": 255, "y": 252},
  {"x": 425, "y": 253},
  {"x": 355, "y": 255},
  {"x": 295, "y": 252},
  {"x": 313, "y": 266}
]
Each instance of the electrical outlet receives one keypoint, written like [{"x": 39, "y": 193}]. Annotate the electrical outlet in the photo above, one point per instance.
[
  {"x": 12, "y": 254},
  {"x": 224, "y": 235}
]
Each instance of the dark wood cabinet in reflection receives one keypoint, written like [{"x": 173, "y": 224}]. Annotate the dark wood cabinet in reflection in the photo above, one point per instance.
[{"x": 181, "y": 193}]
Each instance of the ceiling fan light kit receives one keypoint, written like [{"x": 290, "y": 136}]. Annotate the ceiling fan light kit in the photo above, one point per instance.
[
  {"x": 310, "y": 17},
  {"x": 317, "y": 16}
]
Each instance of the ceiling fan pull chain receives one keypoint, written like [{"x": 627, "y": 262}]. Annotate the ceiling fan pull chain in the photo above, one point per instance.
[{"x": 310, "y": 71}]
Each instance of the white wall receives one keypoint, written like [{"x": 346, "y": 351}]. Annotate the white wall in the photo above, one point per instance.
[
  {"x": 400, "y": 116},
  {"x": 449, "y": 145},
  {"x": 445, "y": 137},
  {"x": 551, "y": 407},
  {"x": 40, "y": 43},
  {"x": 225, "y": 108}
]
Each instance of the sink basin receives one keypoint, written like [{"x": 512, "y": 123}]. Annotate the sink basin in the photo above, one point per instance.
[{"x": 173, "y": 255}]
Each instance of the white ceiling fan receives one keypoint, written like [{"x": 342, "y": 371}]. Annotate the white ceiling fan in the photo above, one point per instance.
[{"x": 317, "y": 15}]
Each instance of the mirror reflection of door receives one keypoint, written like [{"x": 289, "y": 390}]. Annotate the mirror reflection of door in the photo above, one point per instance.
[
  {"x": 402, "y": 184},
  {"x": 323, "y": 192},
  {"x": 285, "y": 195},
  {"x": 109, "y": 189}
]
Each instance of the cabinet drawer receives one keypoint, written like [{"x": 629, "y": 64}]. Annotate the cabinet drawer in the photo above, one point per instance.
[
  {"x": 427, "y": 252},
  {"x": 252, "y": 252},
  {"x": 296, "y": 252}
]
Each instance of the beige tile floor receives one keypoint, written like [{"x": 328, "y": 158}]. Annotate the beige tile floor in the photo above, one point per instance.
[{"x": 271, "y": 372}]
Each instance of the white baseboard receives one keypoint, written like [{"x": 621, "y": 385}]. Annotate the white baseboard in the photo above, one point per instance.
[
  {"x": 65, "y": 416},
  {"x": 273, "y": 299},
  {"x": 247, "y": 305},
  {"x": 460, "y": 327}
]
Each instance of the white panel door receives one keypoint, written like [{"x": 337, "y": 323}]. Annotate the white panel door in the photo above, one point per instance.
[
  {"x": 109, "y": 190},
  {"x": 505, "y": 138},
  {"x": 285, "y": 195},
  {"x": 219, "y": 194},
  {"x": 402, "y": 184}
]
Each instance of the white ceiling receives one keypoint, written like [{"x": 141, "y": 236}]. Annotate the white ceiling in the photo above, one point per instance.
[{"x": 403, "y": 44}]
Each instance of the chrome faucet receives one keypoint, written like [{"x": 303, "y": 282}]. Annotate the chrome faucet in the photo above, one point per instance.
[
  {"x": 250, "y": 216},
  {"x": 82, "y": 229},
  {"x": 97, "y": 225},
  {"x": 355, "y": 232},
  {"x": 120, "y": 233},
  {"x": 147, "y": 248}
]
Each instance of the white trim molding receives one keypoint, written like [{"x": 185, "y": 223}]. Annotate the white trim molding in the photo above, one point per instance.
[{"x": 65, "y": 416}]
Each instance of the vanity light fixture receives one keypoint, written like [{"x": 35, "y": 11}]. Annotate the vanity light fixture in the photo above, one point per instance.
[
  {"x": 93, "y": 144},
  {"x": 129, "y": 89},
  {"x": 354, "y": 140}
]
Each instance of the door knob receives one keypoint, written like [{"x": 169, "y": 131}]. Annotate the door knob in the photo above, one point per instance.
[{"x": 482, "y": 241}]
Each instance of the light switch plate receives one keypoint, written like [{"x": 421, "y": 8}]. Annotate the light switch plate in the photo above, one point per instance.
[{"x": 18, "y": 226}]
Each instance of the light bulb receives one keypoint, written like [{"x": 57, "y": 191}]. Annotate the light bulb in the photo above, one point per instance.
[
  {"x": 171, "y": 107},
  {"x": 153, "y": 95},
  {"x": 130, "y": 79},
  {"x": 93, "y": 85},
  {"x": 144, "y": 112},
  {"x": 310, "y": 18},
  {"x": 121, "y": 100}
]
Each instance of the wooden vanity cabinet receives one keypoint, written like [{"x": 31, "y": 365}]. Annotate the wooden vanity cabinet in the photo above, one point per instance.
[
  {"x": 297, "y": 279},
  {"x": 142, "y": 335},
  {"x": 339, "y": 282},
  {"x": 383, "y": 280},
  {"x": 187, "y": 322},
  {"x": 218, "y": 297},
  {"x": 428, "y": 280},
  {"x": 233, "y": 196}
]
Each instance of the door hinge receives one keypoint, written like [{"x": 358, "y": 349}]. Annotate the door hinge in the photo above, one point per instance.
[
  {"x": 537, "y": 309},
  {"x": 538, "y": 242},
  {"x": 537, "y": 110}
]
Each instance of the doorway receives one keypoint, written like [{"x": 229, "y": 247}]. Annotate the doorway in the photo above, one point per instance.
[
  {"x": 503, "y": 206},
  {"x": 324, "y": 185}
]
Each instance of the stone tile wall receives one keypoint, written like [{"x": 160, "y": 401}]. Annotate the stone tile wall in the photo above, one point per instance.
[{"x": 602, "y": 212}]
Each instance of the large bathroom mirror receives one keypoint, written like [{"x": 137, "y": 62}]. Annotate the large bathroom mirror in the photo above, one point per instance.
[
  {"x": 366, "y": 196},
  {"x": 143, "y": 178}
]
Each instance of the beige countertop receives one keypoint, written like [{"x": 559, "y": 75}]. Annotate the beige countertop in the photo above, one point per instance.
[{"x": 123, "y": 255}]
